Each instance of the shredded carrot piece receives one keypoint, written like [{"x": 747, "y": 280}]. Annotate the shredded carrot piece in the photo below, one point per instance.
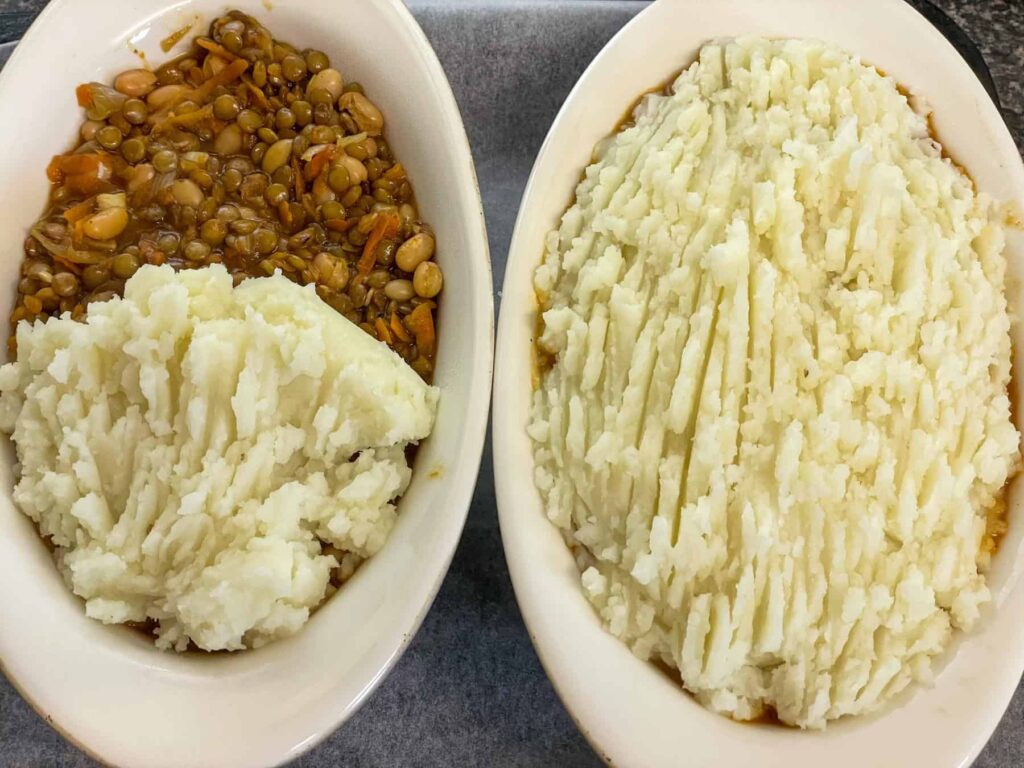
[
  {"x": 231, "y": 72},
  {"x": 398, "y": 328},
  {"x": 83, "y": 174},
  {"x": 339, "y": 225},
  {"x": 383, "y": 333},
  {"x": 395, "y": 172},
  {"x": 53, "y": 170},
  {"x": 187, "y": 119},
  {"x": 83, "y": 94},
  {"x": 261, "y": 97},
  {"x": 285, "y": 213},
  {"x": 319, "y": 161},
  {"x": 421, "y": 323},
  {"x": 94, "y": 163},
  {"x": 68, "y": 265},
  {"x": 78, "y": 211},
  {"x": 386, "y": 225},
  {"x": 87, "y": 184},
  {"x": 300, "y": 187},
  {"x": 215, "y": 47}
]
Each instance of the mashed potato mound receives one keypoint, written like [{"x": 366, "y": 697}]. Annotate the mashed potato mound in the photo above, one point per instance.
[
  {"x": 203, "y": 456},
  {"x": 777, "y": 420}
]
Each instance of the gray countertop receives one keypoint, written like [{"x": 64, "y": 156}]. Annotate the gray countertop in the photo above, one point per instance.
[{"x": 470, "y": 691}]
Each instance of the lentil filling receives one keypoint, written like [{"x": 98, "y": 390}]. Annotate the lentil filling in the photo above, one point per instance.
[{"x": 244, "y": 151}]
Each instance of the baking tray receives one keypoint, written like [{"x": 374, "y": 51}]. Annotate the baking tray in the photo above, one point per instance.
[{"x": 470, "y": 691}]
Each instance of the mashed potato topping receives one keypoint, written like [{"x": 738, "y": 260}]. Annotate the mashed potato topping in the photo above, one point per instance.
[
  {"x": 204, "y": 456},
  {"x": 777, "y": 420}
]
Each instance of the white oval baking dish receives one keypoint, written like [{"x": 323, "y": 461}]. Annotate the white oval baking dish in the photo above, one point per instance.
[{"x": 105, "y": 688}]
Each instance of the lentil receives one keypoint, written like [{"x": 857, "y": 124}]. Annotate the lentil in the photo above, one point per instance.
[
  {"x": 284, "y": 119},
  {"x": 135, "y": 111},
  {"x": 293, "y": 67},
  {"x": 65, "y": 284},
  {"x": 303, "y": 112},
  {"x": 133, "y": 150},
  {"x": 124, "y": 265},
  {"x": 249, "y": 120},
  {"x": 226, "y": 107},
  {"x": 165, "y": 161},
  {"x": 196, "y": 250},
  {"x": 109, "y": 137},
  {"x": 317, "y": 61}
]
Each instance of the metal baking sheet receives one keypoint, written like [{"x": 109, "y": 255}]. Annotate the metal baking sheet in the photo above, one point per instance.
[{"x": 470, "y": 691}]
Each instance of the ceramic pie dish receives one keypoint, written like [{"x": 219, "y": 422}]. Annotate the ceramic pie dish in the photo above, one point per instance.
[
  {"x": 108, "y": 689},
  {"x": 632, "y": 713}
]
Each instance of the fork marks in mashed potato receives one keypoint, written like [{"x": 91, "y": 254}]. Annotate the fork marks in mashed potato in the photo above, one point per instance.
[
  {"x": 203, "y": 457},
  {"x": 778, "y": 414}
]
